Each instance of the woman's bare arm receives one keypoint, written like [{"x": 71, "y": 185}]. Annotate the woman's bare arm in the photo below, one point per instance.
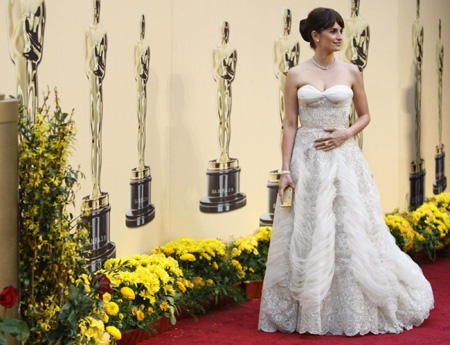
[
  {"x": 290, "y": 120},
  {"x": 289, "y": 129}
]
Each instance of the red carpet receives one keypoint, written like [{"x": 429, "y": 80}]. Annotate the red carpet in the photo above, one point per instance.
[{"x": 238, "y": 325}]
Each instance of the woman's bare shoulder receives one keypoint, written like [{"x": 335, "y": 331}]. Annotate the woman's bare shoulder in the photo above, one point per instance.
[
  {"x": 298, "y": 70},
  {"x": 349, "y": 66}
]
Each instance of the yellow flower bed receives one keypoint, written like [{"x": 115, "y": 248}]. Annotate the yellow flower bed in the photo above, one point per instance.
[
  {"x": 425, "y": 228},
  {"x": 189, "y": 249},
  {"x": 400, "y": 224}
]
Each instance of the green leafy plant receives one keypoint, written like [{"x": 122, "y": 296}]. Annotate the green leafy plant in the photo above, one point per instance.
[{"x": 52, "y": 242}]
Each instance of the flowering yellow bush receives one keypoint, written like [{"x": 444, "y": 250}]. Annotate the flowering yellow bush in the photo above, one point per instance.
[
  {"x": 433, "y": 218},
  {"x": 206, "y": 268},
  {"x": 425, "y": 228},
  {"x": 52, "y": 243},
  {"x": 403, "y": 232},
  {"x": 197, "y": 249},
  {"x": 441, "y": 201},
  {"x": 144, "y": 282},
  {"x": 238, "y": 267},
  {"x": 250, "y": 254},
  {"x": 264, "y": 234},
  {"x": 248, "y": 244}
]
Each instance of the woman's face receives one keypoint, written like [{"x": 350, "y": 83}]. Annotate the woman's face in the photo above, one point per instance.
[{"x": 329, "y": 39}]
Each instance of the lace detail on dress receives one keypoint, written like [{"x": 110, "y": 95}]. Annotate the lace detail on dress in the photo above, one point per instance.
[{"x": 333, "y": 266}]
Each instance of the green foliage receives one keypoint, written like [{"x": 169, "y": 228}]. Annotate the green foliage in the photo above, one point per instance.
[
  {"x": 52, "y": 241},
  {"x": 15, "y": 328},
  {"x": 79, "y": 305}
]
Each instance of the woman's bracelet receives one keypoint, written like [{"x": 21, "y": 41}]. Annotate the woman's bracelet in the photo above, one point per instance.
[{"x": 284, "y": 172}]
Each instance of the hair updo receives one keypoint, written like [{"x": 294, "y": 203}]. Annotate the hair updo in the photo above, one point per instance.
[{"x": 318, "y": 20}]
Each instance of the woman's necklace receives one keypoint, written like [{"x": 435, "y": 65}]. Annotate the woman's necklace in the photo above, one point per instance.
[{"x": 323, "y": 67}]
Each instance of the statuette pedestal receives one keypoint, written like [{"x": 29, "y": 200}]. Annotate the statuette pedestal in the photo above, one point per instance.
[
  {"x": 417, "y": 184},
  {"x": 141, "y": 211},
  {"x": 272, "y": 192},
  {"x": 96, "y": 218},
  {"x": 440, "y": 183},
  {"x": 223, "y": 187}
]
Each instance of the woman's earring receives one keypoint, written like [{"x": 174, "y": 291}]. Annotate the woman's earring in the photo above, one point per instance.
[{"x": 317, "y": 40}]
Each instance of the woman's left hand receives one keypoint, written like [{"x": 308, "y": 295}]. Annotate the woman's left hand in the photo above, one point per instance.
[{"x": 336, "y": 138}]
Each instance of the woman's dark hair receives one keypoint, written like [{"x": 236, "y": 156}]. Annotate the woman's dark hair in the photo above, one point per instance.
[{"x": 318, "y": 20}]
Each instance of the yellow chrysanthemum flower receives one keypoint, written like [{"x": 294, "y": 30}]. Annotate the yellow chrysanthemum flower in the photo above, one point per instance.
[
  {"x": 198, "y": 282},
  {"x": 209, "y": 282},
  {"x": 164, "y": 306},
  {"x": 169, "y": 250},
  {"x": 140, "y": 315},
  {"x": 215, "y": 266},
  {"x": 150, "y": 310},
  {"x": 187, "y": 257},
  {"x": 181, "y": 286},
  {"x": 114, "y": 332},
  {"x": 127, "y": 293},
  {"x": 264, "y": 233},
  {"x": 106, "y": 297},
  {"x": 111, "y": 308}
]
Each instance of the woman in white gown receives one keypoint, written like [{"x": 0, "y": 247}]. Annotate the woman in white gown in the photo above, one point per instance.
[{"x": 333, "y": 266}]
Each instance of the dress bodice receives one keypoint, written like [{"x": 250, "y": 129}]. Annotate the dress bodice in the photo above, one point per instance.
[{"x": 329, "y": 108}]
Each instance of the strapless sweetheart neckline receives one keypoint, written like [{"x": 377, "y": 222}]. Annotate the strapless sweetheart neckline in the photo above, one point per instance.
[{"x": 331, "y": 87}]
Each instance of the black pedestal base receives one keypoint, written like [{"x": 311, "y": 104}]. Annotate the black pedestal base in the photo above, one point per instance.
[
  {"x": 96, "y": 263},
  {"x": 416, "y": 187},
  {"x": 97, "y": 222},
  {"x": 135, "y": 219},
  {"x": 223, "y": 191},
  {"x": 440, "y": 184},
  {"x": 272, "y": 192},
  {"x": 142, "y": 211}
]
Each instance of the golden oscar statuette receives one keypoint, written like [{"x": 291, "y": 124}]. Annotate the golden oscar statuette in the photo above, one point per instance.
[
  {"x": 26, "y": 25},
  {"x": 355, "y": 49},
  {"x": 141, "y": 211},
  {"x": 440, "y": 183},
  {"x": 95, "y": 208},
  {"x": 286, "y": 55},
  {"x": 417, "y": 173},
  {"x": 223, "y": 172}
]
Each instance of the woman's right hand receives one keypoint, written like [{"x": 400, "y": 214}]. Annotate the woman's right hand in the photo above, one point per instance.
[{"x": 285, "y": 181}]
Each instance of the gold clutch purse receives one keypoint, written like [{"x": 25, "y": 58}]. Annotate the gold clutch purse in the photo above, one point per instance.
[{"x": 287, "y": 197}]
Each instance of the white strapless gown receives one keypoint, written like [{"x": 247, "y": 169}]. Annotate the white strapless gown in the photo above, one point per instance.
[{"x": 333, "y": 266}]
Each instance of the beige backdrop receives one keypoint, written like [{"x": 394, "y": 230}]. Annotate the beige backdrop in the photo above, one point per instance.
[{"x": 182, "y": 119}]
